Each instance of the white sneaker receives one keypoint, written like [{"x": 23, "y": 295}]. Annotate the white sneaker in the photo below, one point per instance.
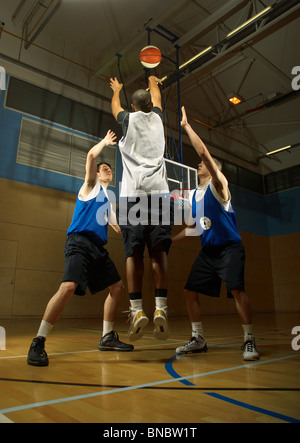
[
  {"x": 160, "y": 321},
  {"x": 138, "y": 322},
  {"x": 250, "y": 351},
  {"x": 195, "y": 345}
]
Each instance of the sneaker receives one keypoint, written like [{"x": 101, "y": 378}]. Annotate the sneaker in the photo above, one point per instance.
[
  {"x": 160, "y": 321},
  {"x": 139, "y": 321},
  {"x": 111, "y": 342},
  {"x": 195, "y": 345},
  {"x": 250, "y": 351},
  {"x": 37, "y": 355}
]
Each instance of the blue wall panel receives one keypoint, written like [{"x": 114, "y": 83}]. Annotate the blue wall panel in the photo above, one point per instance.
[
  {"x": 283, "y": 211},
  {"x": 270, "y": 215}
]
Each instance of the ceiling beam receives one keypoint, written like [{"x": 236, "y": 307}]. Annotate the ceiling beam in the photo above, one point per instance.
[
  {"x": 223, "y": 13},
  {"x": 281, "y": 14},
  {"x": 43, "y": 24}
]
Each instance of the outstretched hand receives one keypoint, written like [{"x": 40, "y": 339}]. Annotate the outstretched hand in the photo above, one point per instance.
[
  {"x": 110, "y": 137},
  {"x": 184, "y": 120},
  {"x": 115, "y": 85}
]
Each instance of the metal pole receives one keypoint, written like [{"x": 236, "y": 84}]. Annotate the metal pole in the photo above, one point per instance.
[{"x": 179, "y": 106}]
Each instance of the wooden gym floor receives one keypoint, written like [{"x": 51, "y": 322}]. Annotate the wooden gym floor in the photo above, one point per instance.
[{"x": 152, "y": 384}]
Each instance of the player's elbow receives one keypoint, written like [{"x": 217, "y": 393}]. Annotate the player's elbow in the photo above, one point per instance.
[{"x": 91, "y": 155}]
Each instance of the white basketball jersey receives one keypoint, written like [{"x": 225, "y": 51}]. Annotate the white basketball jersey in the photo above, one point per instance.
[{"x": 142, "y": 150}]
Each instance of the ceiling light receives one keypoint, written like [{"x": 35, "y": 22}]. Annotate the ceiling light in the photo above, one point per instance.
[
  {"x": 249, "y": 21},
  {"x": 235, "y": 99},
  {"x": 195, "y": 57},
  {"x": 279, "y": 150}
]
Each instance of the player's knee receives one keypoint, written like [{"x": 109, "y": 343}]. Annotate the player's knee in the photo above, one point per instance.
[
  {"x": 239, "y": 294},
  {"x": 68, "y": 289},
  {"x": 189, "y": 294},
  {"x": 118, "y": 288}
]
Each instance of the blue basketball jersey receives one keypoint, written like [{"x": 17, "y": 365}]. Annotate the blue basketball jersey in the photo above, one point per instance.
[
  {"x": 216, "y": 226},
  {"x": 91, "y": 217}
]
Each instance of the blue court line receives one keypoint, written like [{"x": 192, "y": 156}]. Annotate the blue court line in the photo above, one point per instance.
[
  {"x": 132, "y": 388},
  {"x": 171, "y": 371},
  {"x": 253, "y": 408}
]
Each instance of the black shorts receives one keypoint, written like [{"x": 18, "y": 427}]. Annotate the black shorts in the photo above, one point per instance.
[
  {"x": 88, "y": 265},
  {"x": 211, "y": 267},
  {"x": 137, "y": 236}
]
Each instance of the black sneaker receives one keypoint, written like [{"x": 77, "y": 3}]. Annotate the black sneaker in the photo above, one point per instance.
[
  {"x": 111, "y": 342},
  {"x": 37, "y": 355}
]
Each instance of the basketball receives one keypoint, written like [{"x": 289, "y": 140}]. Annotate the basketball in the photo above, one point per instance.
[{"x": 150, "y": 57}]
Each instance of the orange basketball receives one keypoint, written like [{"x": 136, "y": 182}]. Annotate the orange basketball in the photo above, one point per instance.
[{"x": 150, "y": 56}]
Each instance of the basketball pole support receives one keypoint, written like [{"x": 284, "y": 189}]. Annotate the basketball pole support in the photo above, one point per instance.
[
  {"x": 176, "y": 63},
  {"x": 120, "y": 73}
]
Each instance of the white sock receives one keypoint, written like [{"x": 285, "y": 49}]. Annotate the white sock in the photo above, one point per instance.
[
  {"x": 137, "y": 305},
  {"x": 45, "y": 329},
  {"x": 161, "y": 302},
  {"x": 197, "y": 329},
  {"x": 248, "y": 330},
  {"x": 108, "y": 326}
]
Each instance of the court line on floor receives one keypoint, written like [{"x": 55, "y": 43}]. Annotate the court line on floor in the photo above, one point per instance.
[
  {"x": 169, "y": 365},
  {"x": 169, "y": 368},
  {"x": 136, "y": 387},
  {"x": 171, "y": 371},
  {"x": 253, "y": 408},
  {"x": 62, "y": 383},
  {"x": 173, "y": 388}
]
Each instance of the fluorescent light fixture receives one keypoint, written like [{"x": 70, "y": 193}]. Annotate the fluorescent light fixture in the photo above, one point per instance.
[
  {"x": 249, "y": 21},
  {"x": 195, "y": 57},
  {"x": 279, "y": 150}
]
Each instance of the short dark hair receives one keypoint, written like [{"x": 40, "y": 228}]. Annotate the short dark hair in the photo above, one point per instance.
[
  {"x": 103, "y": 163},
  {"x": 141, "y": 99}
]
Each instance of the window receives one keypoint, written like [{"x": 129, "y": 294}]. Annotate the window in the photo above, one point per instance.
[
  {"x": 42, "y": 146},
  {"x": 281, "y": 180}
]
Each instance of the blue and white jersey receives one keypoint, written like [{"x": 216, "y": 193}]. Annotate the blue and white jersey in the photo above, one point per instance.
[
  {"x": 91, "y": 215},
  {"x": 214, "y": 218}
]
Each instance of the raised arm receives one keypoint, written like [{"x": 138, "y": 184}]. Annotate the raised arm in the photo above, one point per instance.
[
  {"x": 155, "y": 91},
  {"x": 116, "y": 101},
  {"x": 218, "y": 179},
  {"x": 91, "y": 162}
]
